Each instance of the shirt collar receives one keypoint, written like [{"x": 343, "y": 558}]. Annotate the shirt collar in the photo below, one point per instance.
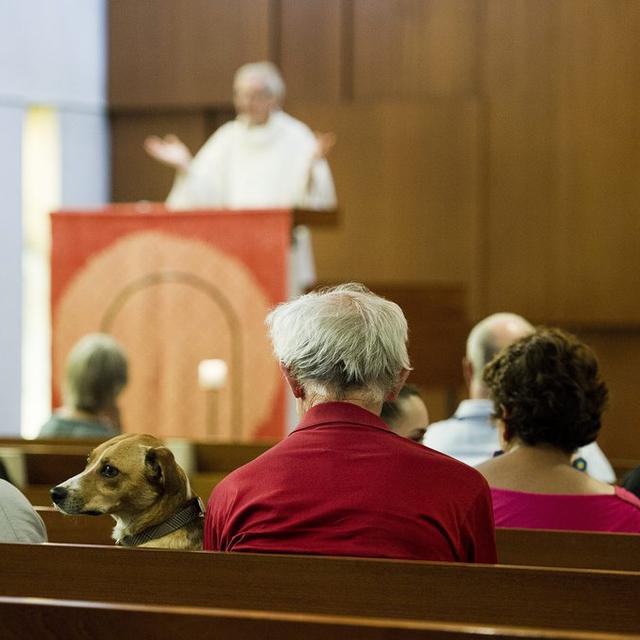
[
  {"x": 474, "y": 408},
  {"x": 328, "y": 413}
]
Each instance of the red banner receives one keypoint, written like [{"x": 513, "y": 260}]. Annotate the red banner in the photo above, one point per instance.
[{"x": 174, "y": 289}]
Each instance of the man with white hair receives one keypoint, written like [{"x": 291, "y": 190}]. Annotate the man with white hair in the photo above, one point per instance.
[
  {"x": 342, "y": 483},
  {"x": 262, "y": 159},
  {"x": 470, "y": 435}
]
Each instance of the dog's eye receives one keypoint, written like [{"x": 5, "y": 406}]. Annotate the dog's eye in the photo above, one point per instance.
[{"x": 109, "y": 472}]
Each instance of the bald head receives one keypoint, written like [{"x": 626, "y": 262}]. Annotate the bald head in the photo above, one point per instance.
[{"x": 486, "y": 339}]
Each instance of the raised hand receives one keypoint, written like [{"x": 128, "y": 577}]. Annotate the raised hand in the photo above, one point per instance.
[
  {"x": 324, "y": 143},
  {"x": 169, "y": 150}
]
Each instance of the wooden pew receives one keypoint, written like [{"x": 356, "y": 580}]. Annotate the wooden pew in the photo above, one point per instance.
[
  {"x": 569, "y": 599},
  {"x": 77, "y": 529},
  {"x": 574, "y": 549},
  {"x": 51, "y": 461},
  {"x": 524, "y": 547},
  {"x": 31, "y": 618}
]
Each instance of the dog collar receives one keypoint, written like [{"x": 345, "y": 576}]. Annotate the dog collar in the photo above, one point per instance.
[{"x": 193, "y": 510}]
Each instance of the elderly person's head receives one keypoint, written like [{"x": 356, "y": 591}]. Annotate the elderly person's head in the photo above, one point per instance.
[
  {"x": 341, "y": 344},
  {"x": 96, "y": 371},
  {"x": 258, "y": 89},
  {"x": 547, "y": 390},
  {"x": 485, "y": 340}
]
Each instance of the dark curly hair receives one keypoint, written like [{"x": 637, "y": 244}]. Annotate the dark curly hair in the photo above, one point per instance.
[{"x": 546, "y": 387}]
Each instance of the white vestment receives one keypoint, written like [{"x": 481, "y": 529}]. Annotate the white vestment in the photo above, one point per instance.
[{"x": 261, "y": 166}]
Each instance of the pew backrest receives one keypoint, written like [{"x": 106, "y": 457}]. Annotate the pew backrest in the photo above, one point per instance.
[
  {"x": 524, "y": 547},
  {"x": 28, "y": 617},
  {"x": 478, "y": 594},
  {"x": 575, "y": 549}
]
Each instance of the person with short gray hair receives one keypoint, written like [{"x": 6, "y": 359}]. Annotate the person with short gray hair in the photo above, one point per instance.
[
  {"x": 342, "y": 483},
  {"x": 96, "y": 372},
  {"x": 470, "y": 435}
]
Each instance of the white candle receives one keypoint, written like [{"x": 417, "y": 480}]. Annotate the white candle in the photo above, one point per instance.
[{"x": 212, "y": 374}]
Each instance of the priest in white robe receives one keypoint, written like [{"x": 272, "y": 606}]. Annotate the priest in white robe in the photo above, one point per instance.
[{"x": 264, "y": 158}]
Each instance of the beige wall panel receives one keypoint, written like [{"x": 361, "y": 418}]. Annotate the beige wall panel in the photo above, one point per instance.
[
  {"x": 406, "y": 176},
  {"x": 415, "y": 48},
  {"x": 599, "y": 176},
  {"x": 135, "y": 175},
  {"x": 562, "y": 228},
  {"x": 619, "y": 355},
  {"x": 521, "y": 123},
  {"x": 182, "y": 52},
  {"x": 311, "y": 48}
]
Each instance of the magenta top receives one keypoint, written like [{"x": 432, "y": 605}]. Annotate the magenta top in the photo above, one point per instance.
[{"x": 619, "y": 512}]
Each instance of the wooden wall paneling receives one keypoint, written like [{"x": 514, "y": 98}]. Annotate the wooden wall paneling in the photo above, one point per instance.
[
  {"x": 562, "y": 85},
  {"x": 618, "y": 351},
  {"x": 406, "y": 176},
  {"x": 169, "y": 52},
  {"x": 415, "y": 48},
  {"x": 311, "y": 56},
  {"x": 522, "y": 121},
  {"x": 599, "y": 172},
  {"x": 135, "y": 175}
]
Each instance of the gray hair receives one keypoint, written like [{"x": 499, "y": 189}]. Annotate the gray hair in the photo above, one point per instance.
[
  {"x": 491, "y": 335},
  {"x": 341, "y": 339},
  {"x": 268, "y": 73},
  {"x": 96, "y": 371}
]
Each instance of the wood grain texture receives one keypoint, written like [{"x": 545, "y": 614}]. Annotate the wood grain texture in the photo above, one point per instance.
[
  {"x": 407, "y": 49},
  {"x": 311, "y": 56},
  {"x": 563, "y": 228},
  {"x": 45, "y": 618},
  {"x": 406, "y": 177},
  {"x": 163, "y": 52},
  {"x": 575, "y": 549},
  {"x": 547, "y": 598}
]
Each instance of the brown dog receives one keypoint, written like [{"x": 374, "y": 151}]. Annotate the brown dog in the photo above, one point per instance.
[{"x": 136, "y": 480}]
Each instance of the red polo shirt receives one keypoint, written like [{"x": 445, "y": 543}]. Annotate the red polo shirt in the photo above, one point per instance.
[{"x": 344, "y": 484}]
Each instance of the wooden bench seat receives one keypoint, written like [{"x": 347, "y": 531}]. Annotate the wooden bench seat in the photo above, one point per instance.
[
  {"x": 526, "y": 547},
  {"x": 570, "y": 599},
  {"x": 35, "y": 618}
]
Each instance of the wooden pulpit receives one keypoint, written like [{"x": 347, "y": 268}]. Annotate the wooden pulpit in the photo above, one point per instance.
[{"x": 176, "y": 288}]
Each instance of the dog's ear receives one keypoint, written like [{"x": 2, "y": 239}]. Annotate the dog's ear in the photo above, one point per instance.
[{"x": 163, "y": 470}]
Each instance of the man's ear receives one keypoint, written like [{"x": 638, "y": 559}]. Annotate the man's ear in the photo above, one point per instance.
[
  {"x": 467, "y": 371},
  {"x": 402, "y": 378},
  {"x": 294, "y": 385}
]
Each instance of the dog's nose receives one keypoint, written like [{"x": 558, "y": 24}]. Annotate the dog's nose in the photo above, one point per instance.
[{"x": 58, "y": 494}]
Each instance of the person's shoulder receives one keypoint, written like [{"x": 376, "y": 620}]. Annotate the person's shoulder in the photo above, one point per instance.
[
  {"x": 52, "y": 427},
  {"x": 441, "y": 462},
  {"x": 13, "y": 497},
  {"x": 8, "y": 490},
  {"x": 292, "y": 125},
  {"x": 628, "y": 498}
]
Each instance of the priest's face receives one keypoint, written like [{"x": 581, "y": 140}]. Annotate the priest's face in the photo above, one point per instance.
[{"x": 252, "y": 100}]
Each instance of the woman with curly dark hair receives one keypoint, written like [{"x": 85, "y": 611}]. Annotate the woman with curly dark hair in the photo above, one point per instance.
[{"x": 549, "y": 399}]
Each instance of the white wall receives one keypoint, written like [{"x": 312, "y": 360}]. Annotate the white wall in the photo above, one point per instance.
[{"x": 53, "y": 53}]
